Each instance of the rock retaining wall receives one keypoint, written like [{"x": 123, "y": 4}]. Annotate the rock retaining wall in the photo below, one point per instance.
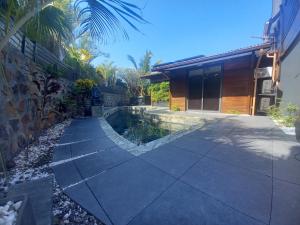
[{"x": 26, "y": 106}]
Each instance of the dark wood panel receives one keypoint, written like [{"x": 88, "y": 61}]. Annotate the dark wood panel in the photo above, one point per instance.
[
  {"x": 235, "y": 64},
  {"x": 237, "y": 90},
  {"x": 211, "y": 93},
  {"x": 195, "y": 93},
  {"x": 178, "y": 90}
]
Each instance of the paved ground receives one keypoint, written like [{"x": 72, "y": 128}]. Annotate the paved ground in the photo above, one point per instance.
[
  {"x": 40, "y": 198},
  {"x": 236, "y": 170}
]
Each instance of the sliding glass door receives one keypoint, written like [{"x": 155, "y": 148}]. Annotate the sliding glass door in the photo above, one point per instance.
[{"x": 205, "y": 89}]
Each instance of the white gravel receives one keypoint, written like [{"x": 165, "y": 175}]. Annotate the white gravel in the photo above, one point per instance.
[{"x": 9, "y": 213}]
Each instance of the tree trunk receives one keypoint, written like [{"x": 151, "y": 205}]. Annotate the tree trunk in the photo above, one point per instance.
[{"x": 21, "y": 22}]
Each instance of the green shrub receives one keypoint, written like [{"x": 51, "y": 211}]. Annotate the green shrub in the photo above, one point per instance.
[
  {"x": 159, "y": 92},
  {"x": 291, "y": 115},
  {"x": 286, "y": 116},
  {"x": 233, "y": 111},
  {"x": 274, "y": 112},
  {"x": 175, "y": 108},
  {"x": 85, "y": 84}
]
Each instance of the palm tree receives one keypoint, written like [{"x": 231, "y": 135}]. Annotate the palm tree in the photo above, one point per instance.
[
  {"x": 108, "y": 72},
  {"x": 51, "y": 33},
  {"x": 100, "y": 18},
  {"x": 142, "y": 68}
]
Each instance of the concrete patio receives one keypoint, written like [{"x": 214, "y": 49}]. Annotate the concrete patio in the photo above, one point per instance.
[{"x": 235, "y": 170}]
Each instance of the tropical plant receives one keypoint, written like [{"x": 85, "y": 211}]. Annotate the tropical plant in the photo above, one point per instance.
[
  {"x": 159, "y": 92},
  {"x": 142, "y": 68},
  {"x": 79, "y": 59},
  {"x": 50, "y": 32},
  {"x": 132, "y": 80},
  {"x": 107, "y": 71},
  {"x": 100, "y": 18}
]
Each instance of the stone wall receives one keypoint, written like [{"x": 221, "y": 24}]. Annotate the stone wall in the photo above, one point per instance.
[
  {"x": 26, "y": 105},
  {"x": 112, "y": 99}
]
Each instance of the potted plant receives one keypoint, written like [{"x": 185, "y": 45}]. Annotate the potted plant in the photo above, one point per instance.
[{"x": 17, "y": 210}]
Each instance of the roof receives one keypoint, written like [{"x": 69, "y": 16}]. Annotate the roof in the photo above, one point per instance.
[{"x": 199, "y": 60}]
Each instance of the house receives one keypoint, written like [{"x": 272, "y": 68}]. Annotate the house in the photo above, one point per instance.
[
  {"x": 283, "y": 30},
  {"x": 224, "y": 83},
  {"x": 246, "y": 80}
]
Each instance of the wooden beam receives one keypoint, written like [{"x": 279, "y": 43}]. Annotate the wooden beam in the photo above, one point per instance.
[{"x": 261, "y": 53}]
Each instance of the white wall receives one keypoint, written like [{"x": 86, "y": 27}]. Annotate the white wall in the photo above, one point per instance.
[{"x": 290, "y": 76}]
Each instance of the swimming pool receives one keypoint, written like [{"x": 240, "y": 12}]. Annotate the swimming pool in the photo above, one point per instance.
[{"x": 140, "y": 129}]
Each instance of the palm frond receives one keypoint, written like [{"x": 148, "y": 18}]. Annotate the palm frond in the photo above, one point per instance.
[
  {"x": 102, "y": 18},
  {"x": 145, "y": 63},
  {"x": 41, "y": 26},
  {"x": 132, "y": 60}
]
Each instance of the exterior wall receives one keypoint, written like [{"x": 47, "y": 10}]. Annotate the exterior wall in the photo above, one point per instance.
[
  {"x": 178, "y": 90},
  {"x": 290, "y": 76},
  {"x": 237, "y": 88}
]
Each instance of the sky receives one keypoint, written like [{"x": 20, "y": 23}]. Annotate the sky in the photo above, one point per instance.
[{"x": 179, "y": 29}]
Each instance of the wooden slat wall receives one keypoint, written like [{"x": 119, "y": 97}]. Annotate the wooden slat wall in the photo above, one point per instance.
[
  {"x": 237, "y": 87},
  {"x": 178, "y": 90}
]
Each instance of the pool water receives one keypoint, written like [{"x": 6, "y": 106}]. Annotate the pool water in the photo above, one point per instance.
[{"x": 138, "y": 129}]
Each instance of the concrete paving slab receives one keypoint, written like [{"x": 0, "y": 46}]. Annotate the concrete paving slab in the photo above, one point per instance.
[
  {"x": 61, "y": 152},
  {"x": 93, "y": 164},
  {"x": 127, "y": 189},
  {"x": 243, "y": 157},
  {"x": 182, "y": 204},
  {"x": 171, "y": 159},
  {"x": 105, "y": 143},
  {"x": 246, "y": 191},
  {"x": 84, "y": 147},
  {"x": 90, "y": 132},
  {"x": 197, "y": 146},
  {"x": 82, "y": 195},
  {"x": 286, "y": 204},
  {"x": 66, "y": 138},
  {"x": 287, "y": 161},
  {"x": 66, "y": 174},
  {"x": 40, "y": 197},
  {"x": 232, "y": 185}
]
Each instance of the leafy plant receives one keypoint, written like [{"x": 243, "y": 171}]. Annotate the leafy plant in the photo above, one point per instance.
[
  {"x": 285, "y": 115},
  {"x": 291, "y": 115},
  {"x": 84, "y": 85},
  {"x": 274, "y": 112},
  {"x": 142, "y": 68},
  {"x": 236, "y": 112},
  {"x": 160, "y": 92},
  {"x": 52, "y": 33},
  {"x": 107, "y": 71},
  {"x": 102, "y": 19},
  {"x": 175, "y": 108}
]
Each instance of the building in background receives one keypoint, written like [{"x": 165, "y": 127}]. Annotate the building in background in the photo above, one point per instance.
[
  {"x": 247, "y": 80},
  {"x": 283, "y": 31}
]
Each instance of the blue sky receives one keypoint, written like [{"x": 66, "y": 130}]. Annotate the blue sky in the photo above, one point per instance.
[{"x": 185, "y": 28}]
